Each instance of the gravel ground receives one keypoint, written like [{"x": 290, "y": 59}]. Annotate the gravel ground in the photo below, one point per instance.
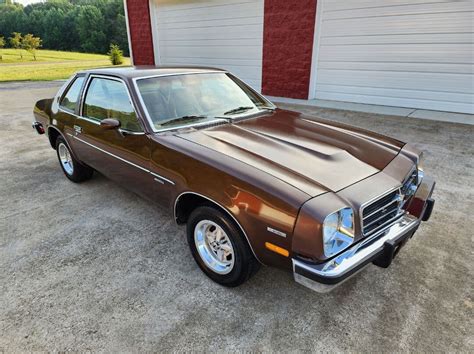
[{"x": 94, "y": 267}]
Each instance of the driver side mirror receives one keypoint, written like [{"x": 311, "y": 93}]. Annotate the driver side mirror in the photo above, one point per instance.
[{"x": 109, "y": 123}]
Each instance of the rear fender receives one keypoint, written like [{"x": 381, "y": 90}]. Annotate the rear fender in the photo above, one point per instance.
[{"x": 42, "y": 111}]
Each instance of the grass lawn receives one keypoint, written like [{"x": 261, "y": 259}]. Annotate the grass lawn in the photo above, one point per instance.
[{"x": 50, "y": 64}]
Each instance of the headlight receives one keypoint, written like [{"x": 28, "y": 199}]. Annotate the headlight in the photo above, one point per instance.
[{"x": 338, "y": 231}]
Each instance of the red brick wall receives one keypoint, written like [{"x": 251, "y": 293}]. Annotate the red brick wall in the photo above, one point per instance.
[
  {"x": 287, "y": 47},
  {"x": 140, "y": 32}
]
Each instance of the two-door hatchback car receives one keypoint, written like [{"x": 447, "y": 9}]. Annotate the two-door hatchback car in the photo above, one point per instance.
[{"x": 254, "y": 184}]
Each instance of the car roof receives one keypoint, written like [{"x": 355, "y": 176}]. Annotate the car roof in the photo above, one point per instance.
[{"x": 130, "y": 72}]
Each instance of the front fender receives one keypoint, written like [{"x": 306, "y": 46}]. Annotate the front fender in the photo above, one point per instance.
[{"x": 308, "y": 233}]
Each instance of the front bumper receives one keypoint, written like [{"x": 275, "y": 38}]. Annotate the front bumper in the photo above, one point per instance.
[{"x": 379, "y": 249}]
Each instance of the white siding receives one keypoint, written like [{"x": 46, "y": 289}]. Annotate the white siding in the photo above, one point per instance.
[
  {"x": 408, "y": 53},
  {"x": 221, "y": 33}
]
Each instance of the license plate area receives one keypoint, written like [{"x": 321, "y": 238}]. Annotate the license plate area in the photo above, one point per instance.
[{"x": 391, "y": 249}]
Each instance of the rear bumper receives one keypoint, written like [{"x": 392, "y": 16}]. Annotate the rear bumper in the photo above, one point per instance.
[{"x": 379, "y": 249}]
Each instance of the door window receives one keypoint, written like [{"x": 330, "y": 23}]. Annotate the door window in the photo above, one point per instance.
[
  {"x": 106, "y": 98},
  {"x": 71, "y": 97}
]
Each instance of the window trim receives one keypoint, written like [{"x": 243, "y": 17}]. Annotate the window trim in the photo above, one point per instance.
[
  {"x": 96, "y": 121},
  {"x": 197, "y": 124},
  {"x": 66, "y": 90}
]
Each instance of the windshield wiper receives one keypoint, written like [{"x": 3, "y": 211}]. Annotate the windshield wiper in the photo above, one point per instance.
[
  {"x": 183, "y": 118},
  {"x": 241, "y": 109}
]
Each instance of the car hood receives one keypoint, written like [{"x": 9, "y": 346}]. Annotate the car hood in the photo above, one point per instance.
[{"x": 309, "y": 153}]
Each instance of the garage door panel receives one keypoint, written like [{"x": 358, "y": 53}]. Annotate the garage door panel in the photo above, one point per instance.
[
  {"x": 418, "y": 38},
  {"x": 417, "y": 81},
  {"x": 212, "y": 52},
  {"x": 220, "y": 63},
  {"x": 408, "y": 9},
  {"x": 429, "y": 23},
  {"x": 342, "y": 5},
  {"x": 391, "y": 101},
  {"x": 221, "y": 33},
  {"x": 398, "y": 67},
  {"x": 428, "y": 53},
  {"x": 242, "y": 32},
  {"x": 178, "y": 6},
  {"x": 235, "y": 22},
  {"x": 417, "y": 54},
  {"x": 213, "y": 42},
  {"x": 453, "y": 97},
  {"x": 209, "y": 13}
]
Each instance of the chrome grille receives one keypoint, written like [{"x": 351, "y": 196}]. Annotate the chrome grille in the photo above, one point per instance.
[{"x": 381, "y": 212}]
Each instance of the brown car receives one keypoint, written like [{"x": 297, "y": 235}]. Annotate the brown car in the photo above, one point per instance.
[{"x": 253, "y": 183}]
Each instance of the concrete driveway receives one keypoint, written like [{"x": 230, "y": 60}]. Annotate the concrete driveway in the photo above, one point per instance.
[{"x": 93, "y": 267}]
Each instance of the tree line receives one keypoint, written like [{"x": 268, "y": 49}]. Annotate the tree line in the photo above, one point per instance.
[{"x": 73, "y": 25}]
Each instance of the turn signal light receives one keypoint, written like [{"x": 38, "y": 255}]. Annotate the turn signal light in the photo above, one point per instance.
[{"x": 277, "y": 249}]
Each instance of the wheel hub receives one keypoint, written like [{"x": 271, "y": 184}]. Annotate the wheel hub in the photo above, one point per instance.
[
  {"x": 66, "y": 159},
  {"x": 214, "y": 247}
]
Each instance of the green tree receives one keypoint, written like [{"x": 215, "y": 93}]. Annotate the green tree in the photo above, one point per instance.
[
  {"x": 90, "y": 23},
  {"x": 72, "y": 42},
  {"x": 53, "y": 27},
  {"x": 12, "y": 19},
  {"x": 2, "y": 44},
  {"x": 30, "y": 43},
  {"x": 115, "y": 24},
  {"x": 15, "y": 42}
]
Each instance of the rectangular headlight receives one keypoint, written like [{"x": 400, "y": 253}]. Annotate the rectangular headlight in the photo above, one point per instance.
[{"x": 338, "y": 231}]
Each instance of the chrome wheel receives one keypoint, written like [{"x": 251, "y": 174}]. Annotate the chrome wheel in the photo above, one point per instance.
[
  {"x": 214, "y": 247},
  {"x": 66, "y": 159}
]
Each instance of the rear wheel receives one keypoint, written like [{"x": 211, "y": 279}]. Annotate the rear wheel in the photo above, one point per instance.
[
  {"x": 72, "y": 168},
  {"x": 219, "y": 247}
]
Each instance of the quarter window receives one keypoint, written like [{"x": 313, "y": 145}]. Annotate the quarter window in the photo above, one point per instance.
[
  {"x": 107, "y": 98},
  {"x": 71, "y": 97}
]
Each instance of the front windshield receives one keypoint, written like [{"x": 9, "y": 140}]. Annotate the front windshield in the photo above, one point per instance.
[{"x": 179, "y": 100}]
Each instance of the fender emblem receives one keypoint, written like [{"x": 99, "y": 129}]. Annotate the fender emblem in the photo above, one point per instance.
[{"x": 276, "y": 232}]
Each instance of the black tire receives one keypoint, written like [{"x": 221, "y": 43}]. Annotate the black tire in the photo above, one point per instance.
[
  {"x": 245, "y": 265},
  {"x": 79, "y": 172}
]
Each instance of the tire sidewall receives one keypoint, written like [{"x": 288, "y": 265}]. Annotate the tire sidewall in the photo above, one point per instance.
[
  {"x": 80, "y": 172},
  {"x": 239, "y": 270},
  {"x": 60, "y": 141}
]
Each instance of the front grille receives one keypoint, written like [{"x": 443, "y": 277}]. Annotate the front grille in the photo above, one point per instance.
[{"x": 381, "y": 212}]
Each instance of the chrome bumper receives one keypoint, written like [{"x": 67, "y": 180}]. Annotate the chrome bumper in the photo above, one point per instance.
[{"x": 379, "y": 249}]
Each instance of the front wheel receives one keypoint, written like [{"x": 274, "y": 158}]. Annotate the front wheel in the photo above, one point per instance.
[
  {"x": 72, "y": 168},
  {"x": 219, "y": 247}
]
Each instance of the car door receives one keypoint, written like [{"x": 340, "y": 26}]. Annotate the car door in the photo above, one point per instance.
[
  {"x": 68, "y": 105},
  {"x": 123, "y": 153}
]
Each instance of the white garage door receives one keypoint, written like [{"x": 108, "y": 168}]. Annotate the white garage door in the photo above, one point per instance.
[
  {"x": 221, "y": 33},
  {"x": 408, "y": 53}
]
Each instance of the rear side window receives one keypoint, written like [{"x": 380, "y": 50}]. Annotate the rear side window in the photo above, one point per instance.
[
  {"x": 107, "y": 98},
  {"x": 71, "y": 97}
]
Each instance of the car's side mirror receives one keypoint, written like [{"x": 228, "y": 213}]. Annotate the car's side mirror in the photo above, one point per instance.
[{"x": 109, "y": 123}]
